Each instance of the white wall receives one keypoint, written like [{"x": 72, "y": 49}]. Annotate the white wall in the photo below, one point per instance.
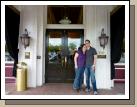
[
  {"x": 32, "y": 18},
  {"x": 96, "y": 18}
]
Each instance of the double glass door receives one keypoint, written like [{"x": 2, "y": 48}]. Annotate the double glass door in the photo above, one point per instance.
[{"x": 61, "y": 45}]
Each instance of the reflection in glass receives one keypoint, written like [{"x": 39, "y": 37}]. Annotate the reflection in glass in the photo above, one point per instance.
[
  {"x": 54, "y": 50},
  {"x": 62, "y": 45},
  {"x": 73, "y": 44}
]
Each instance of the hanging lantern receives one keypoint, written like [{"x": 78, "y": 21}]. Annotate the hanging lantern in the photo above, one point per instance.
[
  {"x": 25, "y": 39},
  {"x": 103, "y": 39},
  {"x": 65, "y": 20}
]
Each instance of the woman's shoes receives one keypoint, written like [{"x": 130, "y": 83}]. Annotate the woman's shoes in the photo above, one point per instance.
[
  {"x": 77, "y": 90},
  {"x": 87, "y": 90}
]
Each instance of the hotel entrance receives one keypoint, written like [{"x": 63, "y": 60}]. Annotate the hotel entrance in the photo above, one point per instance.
[{"x": 61, "y": 45}]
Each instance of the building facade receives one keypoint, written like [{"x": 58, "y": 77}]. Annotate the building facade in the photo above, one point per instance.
[{"x": 34, "y": 18}]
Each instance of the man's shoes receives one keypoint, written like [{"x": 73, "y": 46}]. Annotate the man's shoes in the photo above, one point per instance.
[{"x": 95, "y": 92}]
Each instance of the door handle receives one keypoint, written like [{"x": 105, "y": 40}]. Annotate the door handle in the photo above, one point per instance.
[
  {"x": 62, "y": 62},
  {"x": 65, "y": 61}
]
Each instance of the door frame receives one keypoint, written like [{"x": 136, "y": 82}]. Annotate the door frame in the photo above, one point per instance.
[{"x": 47, "y": 42}]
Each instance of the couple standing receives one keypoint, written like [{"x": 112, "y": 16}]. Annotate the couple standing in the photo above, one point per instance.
[{"x": 85, "y": 58}]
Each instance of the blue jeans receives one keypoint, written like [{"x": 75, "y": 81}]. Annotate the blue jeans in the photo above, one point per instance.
[
  {"x": 90, "y": 75},
  {"x": 79, "y": 76}
]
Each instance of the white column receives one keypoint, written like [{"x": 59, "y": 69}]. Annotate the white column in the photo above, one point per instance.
[
  {"x": 42, "y": 21},
  {"x": 44, "y": 42},
  {"x": 97, "y": 17},
  {"x": 40, "y": 45},
  {"x": 29, "y": 20},
  {"x": 89, "y": 22}
]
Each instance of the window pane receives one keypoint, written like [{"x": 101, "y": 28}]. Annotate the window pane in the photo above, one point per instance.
[
  {"x": 7, "y": 55},
  {"x": 65, "y": 14}
]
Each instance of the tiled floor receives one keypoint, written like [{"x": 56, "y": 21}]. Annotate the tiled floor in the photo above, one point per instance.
[{"x": 62, "y": 89}]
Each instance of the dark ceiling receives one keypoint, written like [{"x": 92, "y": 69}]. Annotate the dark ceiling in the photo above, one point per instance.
[{"x": 74, "y": 13}]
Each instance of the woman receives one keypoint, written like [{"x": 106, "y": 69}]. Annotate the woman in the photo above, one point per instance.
[{"x": 79, "y": 60}]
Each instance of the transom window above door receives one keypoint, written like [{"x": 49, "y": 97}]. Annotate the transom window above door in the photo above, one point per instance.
[{"x": 65, "y": 14}]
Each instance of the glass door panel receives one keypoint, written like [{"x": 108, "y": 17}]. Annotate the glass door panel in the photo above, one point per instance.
[{"x": 61, "y": 47}]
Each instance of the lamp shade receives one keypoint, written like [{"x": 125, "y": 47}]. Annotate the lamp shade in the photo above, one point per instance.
[
  {"x": 65, "y": 21},
  {"x": 103, "y": 39},
  {"x": 25, "y": 39}
]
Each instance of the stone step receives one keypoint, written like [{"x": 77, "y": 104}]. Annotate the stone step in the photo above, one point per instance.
[{"x": 10, "y": 80}]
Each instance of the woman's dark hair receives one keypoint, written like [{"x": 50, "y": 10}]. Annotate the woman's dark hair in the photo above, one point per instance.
[{"x": 81, "y": 46}]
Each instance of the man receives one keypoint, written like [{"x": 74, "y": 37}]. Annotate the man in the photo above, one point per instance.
[{"x": 91, "y": 56}]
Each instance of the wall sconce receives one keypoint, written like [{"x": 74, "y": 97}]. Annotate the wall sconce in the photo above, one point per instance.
[
  {"x": 103, "y": 39},
  {"x": 25, "y": 39}
]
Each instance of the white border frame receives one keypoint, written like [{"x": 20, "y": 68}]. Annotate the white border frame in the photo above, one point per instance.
[{"x": 126, "y": 96}]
